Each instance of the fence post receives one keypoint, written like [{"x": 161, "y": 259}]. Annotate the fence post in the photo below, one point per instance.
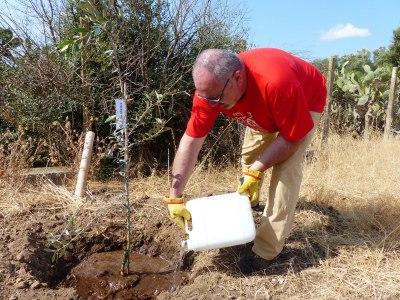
[
  {"x": 84, "y": 165},
  {"x": 389, "y": 112},
  {"x": 325, "y": 117}
]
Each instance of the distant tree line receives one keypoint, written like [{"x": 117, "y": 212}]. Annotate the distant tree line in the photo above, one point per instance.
[{"x": 61, "y": 81}]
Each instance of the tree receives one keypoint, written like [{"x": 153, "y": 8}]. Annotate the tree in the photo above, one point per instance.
[
  {"x": 149, "y": 45},
  {"x": 393, "y": 55},
  {"x": 8, "y": 44},
  {"x": 380, "y": 56}
]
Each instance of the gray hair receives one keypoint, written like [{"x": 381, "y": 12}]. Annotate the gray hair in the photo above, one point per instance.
[{"x": 220, "y": 63}]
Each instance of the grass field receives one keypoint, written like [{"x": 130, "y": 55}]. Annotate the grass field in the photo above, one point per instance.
[{"x": 344, "y": 244}]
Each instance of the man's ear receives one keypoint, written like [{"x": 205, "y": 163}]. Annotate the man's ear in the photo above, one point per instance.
[{"x": 239, "y": 75}]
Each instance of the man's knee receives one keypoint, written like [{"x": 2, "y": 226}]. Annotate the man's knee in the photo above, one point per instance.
[{"x": 254, "y": 143}]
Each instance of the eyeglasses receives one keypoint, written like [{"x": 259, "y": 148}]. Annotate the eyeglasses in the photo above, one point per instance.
[{"x": 219, "y": 99}]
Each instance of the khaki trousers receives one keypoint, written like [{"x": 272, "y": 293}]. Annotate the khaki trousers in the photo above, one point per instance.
[{"x": 284, "y": 190}]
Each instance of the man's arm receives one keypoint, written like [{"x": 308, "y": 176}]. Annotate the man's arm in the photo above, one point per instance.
[
  {"x": 279, "y": 151},
  {"x": 184, "y": 162}
]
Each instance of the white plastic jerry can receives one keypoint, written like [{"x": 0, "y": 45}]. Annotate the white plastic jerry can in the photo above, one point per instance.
[{"x": 219, "y": 221}]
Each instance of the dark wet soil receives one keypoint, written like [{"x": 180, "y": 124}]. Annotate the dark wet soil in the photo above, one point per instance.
[{"x": 98, "y": 277}]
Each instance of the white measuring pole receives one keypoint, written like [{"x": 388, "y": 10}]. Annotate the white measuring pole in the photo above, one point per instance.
[{"x": 85, "y": 163}]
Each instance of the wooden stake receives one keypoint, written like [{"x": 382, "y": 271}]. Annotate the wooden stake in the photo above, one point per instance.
[
  {"x": 85, "y": 163},
  {"x": 325, "y": 117},
  {"x": 389, "y": 112}
]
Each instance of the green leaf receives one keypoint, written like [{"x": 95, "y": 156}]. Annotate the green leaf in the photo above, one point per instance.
[
  {"x": 80, "y": 30},
  {"x": 54, "y": 257},
  {"x": 349, "y": 87},
  {"x": 110, "y": 119},
  {"x": 340, "y": 83},
  {"x": 352, "y": 78},
  {"x": 84, "y": 5},
  {"x": 159, "y": 96},
  {"x": 97, "y": 30},
  {"x": 63, "y": 46},
  {"x": 369, "y": 77},
  {"x": 362, "y": 100},
  {"x": 108, "y": 52},
  {"x": 367, "y": 69},
  {"x": 385, "y": 94},
  {"x": 342, "y": 70},
  {"x": 376, "y": 108}
]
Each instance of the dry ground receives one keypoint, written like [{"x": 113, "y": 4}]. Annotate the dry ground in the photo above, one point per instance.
[{"x": 344, "y": 245}]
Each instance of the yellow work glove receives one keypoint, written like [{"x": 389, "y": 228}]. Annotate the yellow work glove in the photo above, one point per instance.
[
  {"x": 177, "y": 210},
  {"x": 250, "y": 185}
]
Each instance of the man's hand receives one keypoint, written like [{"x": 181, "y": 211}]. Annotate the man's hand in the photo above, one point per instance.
[
  {"x": 250, "y": 185},
  {"x": 178, "y": 211}
]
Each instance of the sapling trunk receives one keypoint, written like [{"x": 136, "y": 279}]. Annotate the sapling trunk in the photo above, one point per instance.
[
  {"x": 124, "y": 140},
  {"x": 127, "y": 205}
]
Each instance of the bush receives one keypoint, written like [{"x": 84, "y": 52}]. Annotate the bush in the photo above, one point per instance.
[{"x": 148, "y": 46}]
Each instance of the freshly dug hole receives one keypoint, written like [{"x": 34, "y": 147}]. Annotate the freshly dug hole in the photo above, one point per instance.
[{"x": 98, "y": 277}]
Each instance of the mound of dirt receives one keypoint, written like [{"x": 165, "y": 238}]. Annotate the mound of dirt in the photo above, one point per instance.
[{"x": 30, "y": 269}]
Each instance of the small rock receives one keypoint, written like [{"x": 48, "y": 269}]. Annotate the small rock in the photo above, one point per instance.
[
  {"x": 13, "y": 297},
  {"x": 12, "y": 266},
  {"x": 22, "y": 256},
  {"x": 143, "y": 249},
  {"x": 22, "y": 271},
  {"x": 36, "y": 284},
  {"x": 22, "y": 284},
  {"x": 7, "y": 237},
  {"x": 19, "y": 279},
  {"x": 132, "y": 280},
  {"x": 37, "y": 228},
  {"x": 153, "y": 250},
  {"x": 102, "y": 273}
]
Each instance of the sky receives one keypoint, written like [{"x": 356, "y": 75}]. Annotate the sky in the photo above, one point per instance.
[{"x": 319, "y": 29}]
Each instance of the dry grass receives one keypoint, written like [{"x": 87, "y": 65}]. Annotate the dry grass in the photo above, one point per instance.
[
  {"x": 344, "y": 245},
  {"x": 346, "y": 234},
  {"x": 357, "y": 168},
  {"x": 361, "y": 179}
]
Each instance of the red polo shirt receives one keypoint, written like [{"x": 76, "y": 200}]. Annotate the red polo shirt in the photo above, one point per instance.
[{"x": 282, "y": 89}]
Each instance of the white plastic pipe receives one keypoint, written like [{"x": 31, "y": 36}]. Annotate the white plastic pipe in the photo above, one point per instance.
[{"x": 85, "y": 163}]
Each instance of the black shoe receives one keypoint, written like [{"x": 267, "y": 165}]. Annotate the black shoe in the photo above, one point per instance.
[
  {"x": 251, "y": 262},
  {"x": 258, "y": 208}
]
